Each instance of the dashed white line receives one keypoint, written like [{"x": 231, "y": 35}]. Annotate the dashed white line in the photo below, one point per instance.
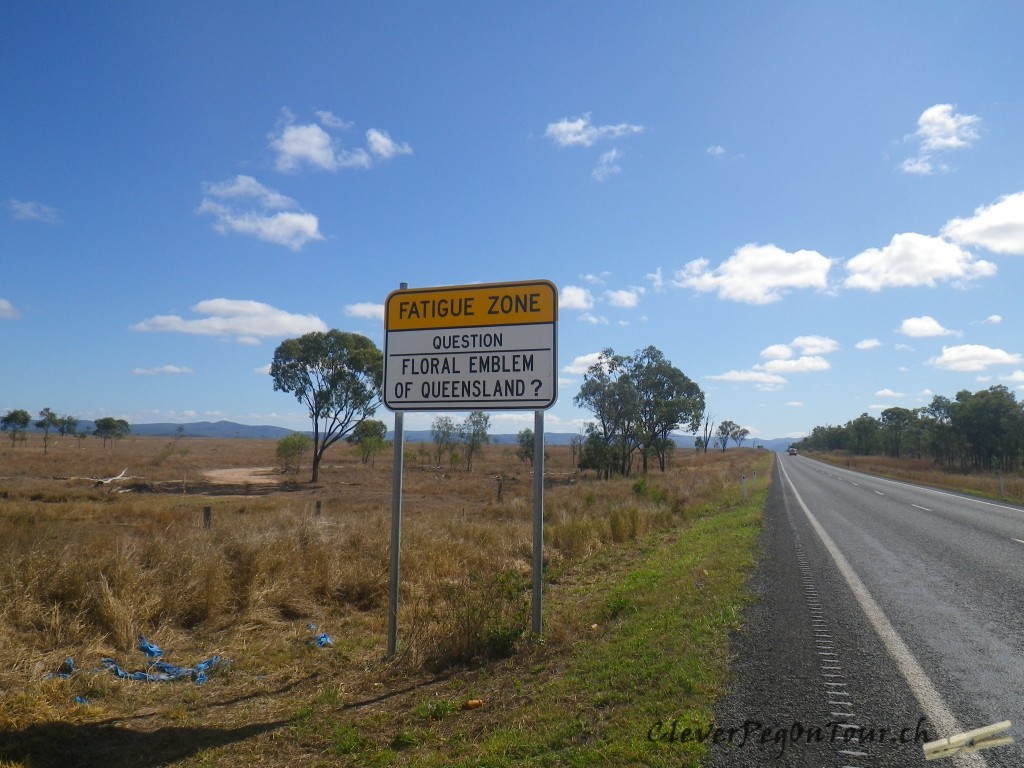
[
  {"x": 1019, "y": 541},
  {"x": 918, "y": 506}
]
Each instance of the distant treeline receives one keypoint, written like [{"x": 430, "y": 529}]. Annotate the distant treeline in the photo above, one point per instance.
[{"x": 979, "y": 431}]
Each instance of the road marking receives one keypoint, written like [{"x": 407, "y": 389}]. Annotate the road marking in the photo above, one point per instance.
[
  {"x": 932, "y": 705},
  {"x": 920, "y": 507},
  {"x": 880, "y": 493},
  {"x": 1019, "y": 541},
  {"x": 939, "y": 492}
]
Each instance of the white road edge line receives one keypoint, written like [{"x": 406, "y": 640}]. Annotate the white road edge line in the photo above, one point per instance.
[
  {"x": 918, "y": 506},
  {"x": 1019, "y": 541},
  {"x": 924, "y": 691}
]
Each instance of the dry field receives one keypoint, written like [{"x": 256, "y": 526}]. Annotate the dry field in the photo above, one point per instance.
[{"x": 87, "y": 568}]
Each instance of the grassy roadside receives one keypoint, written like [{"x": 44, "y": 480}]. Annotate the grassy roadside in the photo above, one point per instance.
[{"x": 656, "y": 651}]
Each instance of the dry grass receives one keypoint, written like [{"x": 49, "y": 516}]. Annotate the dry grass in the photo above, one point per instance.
[{"x": 85, "y": 570}]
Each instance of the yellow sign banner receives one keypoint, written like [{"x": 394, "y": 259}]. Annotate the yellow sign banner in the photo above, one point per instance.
[{"x": 471, "y": 306}]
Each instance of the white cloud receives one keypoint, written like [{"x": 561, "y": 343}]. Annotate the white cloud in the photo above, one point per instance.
[
  {"x": 581, "y": 364},
  {"x": 596, "y": 279},
  {"x": 757, "y": 274},
  {"x": 607, "y": 165},
  {"x": 310, "y": 145},
  {"x": 170, "y": 369},
  {"x": 919, "y": 166},
  {"x": 867, "y": 344},
  {"x": 244, "y": 206},
  {"x": 263, "y": 370},
  {"x": 803, "y": 364},
  {"x": 366, "y": 309},
  {"x": 28, "y": 211},
  {"x": 246, "y": 187},
  {"x": 912, "y": 259},
  {"x": 925, "y": 326},
  {"x": 715, "y": 150},
  {"x": 888, "y": 393},
  {"x": 333, "y": 121},
  {"x": 993, "y": 320},
  {"x": 383, "y": 146},
  {"x": 1017, "y": 377},
  {"x": 940, "y": 129},
  {"x": 777, "y": 352},
  {"x": 7, "y": 310},
  {"x": 998, "y": 228},
  {"x": 588, "y": 317},
  {"x": 245, "y": 321},
  {"x": 292, "y": 230},
  {"x": 794, "y": 404},
  {"x": 575, "y": 297},
  {"x": 300, "y": 144},
  {"x": 815, "y": 345},
  {"x": 580, "y": 132},
  {"x": 973, "y": 357},
  {"x": 656, "y": 280},
  {"x": 625, "y": 299},
  {"x": 763, "y": 378}
]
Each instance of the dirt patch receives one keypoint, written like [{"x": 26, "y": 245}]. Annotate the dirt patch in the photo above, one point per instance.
[{"x": 244, "y": 475}]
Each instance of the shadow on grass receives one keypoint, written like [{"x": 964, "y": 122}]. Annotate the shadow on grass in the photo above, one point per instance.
[{"x": 92, "y": 744}]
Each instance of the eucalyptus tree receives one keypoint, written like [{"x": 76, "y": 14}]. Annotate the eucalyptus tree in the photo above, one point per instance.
[
  {"x": 638, "y": 401},
  {"x": 369, "y": 438},
  {"x": 668, "y": 400},
  {"x": 109, "y": 429},
  {"x": 47, "y": 420},
  {"x": 443, "y": 431},
  {"x": 473, "y": 435},
  {"x": 337, "y": 376},
  {"x": 16, "y": 422}
]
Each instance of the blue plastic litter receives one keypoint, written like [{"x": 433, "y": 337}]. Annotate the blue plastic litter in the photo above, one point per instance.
[
  {"x": 161, "y": 671},
  {"x": 151, "y": 650},
  {"x": 67, "y": 669},
  {"x": 155, "y": 671},
  {"x": 323, "y": 640},
  {"x": 81, "y": 700}
]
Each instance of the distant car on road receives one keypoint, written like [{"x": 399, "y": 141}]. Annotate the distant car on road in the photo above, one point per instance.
[{"x": 792, "y": 451}]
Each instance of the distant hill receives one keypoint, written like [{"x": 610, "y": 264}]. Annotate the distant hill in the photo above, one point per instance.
[{"x": 231, "y": 429}]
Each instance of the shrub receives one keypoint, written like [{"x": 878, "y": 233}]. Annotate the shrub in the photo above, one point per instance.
[{"x": 290, "y": 450}]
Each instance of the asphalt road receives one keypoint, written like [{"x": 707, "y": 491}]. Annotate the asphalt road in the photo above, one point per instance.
[{"x": 887, "y": 615}]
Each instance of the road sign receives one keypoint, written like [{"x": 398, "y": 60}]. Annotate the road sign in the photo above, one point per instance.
[{"x": 471, "y": 347}]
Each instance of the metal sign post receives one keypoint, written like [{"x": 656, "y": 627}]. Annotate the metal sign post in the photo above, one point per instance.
[
  {"x": 397, "y": 469},
  {"x": 538, "y": 519}
]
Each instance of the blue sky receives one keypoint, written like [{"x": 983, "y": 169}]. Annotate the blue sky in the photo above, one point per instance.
[{"x": 814, "y": 210}]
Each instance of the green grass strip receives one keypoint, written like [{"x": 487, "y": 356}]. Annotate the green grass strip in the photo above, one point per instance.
[{"x": 662, "y": 656}]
